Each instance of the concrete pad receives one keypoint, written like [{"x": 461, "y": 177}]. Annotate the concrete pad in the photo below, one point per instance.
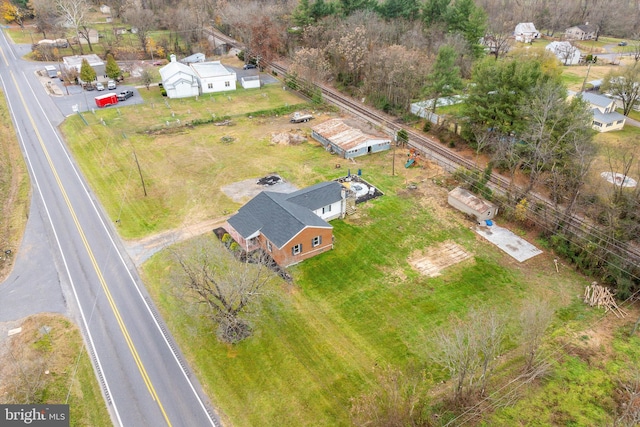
[{"x": 512, "y": 244}]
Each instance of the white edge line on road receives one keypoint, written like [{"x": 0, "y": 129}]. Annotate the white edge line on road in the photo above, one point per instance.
[
  {"x": 64, "y": 260},
  {"x": 133, "y": 281}
]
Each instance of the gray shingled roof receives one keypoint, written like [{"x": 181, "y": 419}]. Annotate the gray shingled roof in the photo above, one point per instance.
[
  {"x": 273, "y": 215},
  {"x": 317, "y": 196},
  {"x": 607, "y": 118},
  {"x": 595, "y": 99}
]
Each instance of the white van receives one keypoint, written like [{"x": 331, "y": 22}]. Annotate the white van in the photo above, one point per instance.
[{"x": 51, "y": 70}]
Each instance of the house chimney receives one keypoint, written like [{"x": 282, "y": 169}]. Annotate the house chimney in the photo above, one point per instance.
[{"x": 173, "y": 57}]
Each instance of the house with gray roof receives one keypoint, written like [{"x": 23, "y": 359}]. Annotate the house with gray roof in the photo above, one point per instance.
[
  {"x": 581, "y": 32},
  {"x": 289, "y": 227},
  {"x": 605, "y": 116}
]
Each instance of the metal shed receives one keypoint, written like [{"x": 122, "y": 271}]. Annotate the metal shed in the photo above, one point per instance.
[
  {"x": 471, "y": 204},
  {"x": 346, "y": 141}
]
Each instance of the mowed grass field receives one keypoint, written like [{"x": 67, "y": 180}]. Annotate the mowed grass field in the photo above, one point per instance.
[
  {"x": 320, "y": 341},
  {"x": 183, "y": 168}
]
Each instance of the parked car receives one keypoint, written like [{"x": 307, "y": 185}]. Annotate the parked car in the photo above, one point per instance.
[
  {"x": 111, "y": 84},
  {"x": 622, "y": 44},
  {"x": 99, "y": 86},
  {"x": 89, "y": 87},
  {"x": 249, "y": 66},
  {"x": 124, "y": 95}
]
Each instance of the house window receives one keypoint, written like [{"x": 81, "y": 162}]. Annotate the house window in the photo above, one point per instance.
[
  {"x": 619, "y": 122},
  {"x": 210, "y": 85},
  {"x": 296, "y": 249},
  {"x": 316, "y": 241},
  {"x": 597, "y": 123},
  {"x": 269, "y": 247},
  {"x": 326, "y": 209},
  {"x": 609, "y": 124},
  {"x": 227, "y": 84}
]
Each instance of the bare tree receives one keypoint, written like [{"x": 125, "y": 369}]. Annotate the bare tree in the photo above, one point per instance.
[
  {"x": 489, "y": 326},
  {"x": 45, "y": 16},
  {"x": 624, "y": 85},
  {"x": 144, "y": 20},
  {"x": 397, "y": 400},
  {"x": 456, "y": 349},
  {"x": 627, "y": 396},
  {"x": 535, "y": 317},
  {"x": 226, "y": 289},
  {"x": 74, "y": 12}
]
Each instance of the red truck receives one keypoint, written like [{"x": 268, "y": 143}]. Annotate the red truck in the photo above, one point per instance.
[{"x": 106, "y": 100}]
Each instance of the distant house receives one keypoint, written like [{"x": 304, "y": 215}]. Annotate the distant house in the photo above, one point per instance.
[
  {"x": 75, "y": 62},
  {"x": 605, "y": 116},
  {"x": 105, "y": 10},
  {"x": 289, "y": 227},
  {"x": 214, "y": 77},
  {"x": 346, "y": 141},
  {"x": 581, "y": 32},
  {"x": 196, "y": 57},
  {"x": 92, "y": 35},
  {"x": 471, "y": 204},
  {"x": 526, "y": 32},
  {"x": 567, "y": 53},
  {"x": 179, "y": 80}
]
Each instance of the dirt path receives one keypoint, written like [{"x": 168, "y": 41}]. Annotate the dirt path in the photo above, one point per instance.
[{"x": 143, "y": 249}]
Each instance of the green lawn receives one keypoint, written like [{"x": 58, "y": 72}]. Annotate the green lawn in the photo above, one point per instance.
[
  {"x": 182, "y": 167},
  {"x": 354, "y": 308},
  {"x": 319, "y": 342}
]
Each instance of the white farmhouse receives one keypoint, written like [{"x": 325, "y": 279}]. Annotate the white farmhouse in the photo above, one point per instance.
[
  {"x": 214, "y": 77},
  {"x": 179, "y": 80},
  {"x": 567, "y": 53},
  {"x": 526, "y": 32},
  {"x": 605, "y": 116}
]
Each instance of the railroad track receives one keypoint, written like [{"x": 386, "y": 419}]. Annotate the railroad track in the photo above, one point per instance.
[{"x": 451, "y": 161}]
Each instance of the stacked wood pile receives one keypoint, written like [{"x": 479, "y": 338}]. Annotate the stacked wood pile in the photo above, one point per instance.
[{"x": 601, "y": 296}]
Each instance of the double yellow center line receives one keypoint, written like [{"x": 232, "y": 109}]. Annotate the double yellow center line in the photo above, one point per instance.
[{"x": 103, "y": 283}]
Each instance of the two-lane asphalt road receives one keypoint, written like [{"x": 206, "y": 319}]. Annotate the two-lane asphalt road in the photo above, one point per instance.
[{"x": 144, "y": 378}]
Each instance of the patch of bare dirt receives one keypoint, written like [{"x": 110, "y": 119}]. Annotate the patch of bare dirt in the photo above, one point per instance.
[
  {"x": 291, "y": 137},
  {"x": 434, "y": 259}
]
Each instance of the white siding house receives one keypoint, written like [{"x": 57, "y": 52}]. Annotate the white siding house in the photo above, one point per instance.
[
  {"x": 179, "y": 80},
  {"x": 526, "y": 32},
  {"x": 214, "y": 77},
  {"x": 567, "y": 53},
  {"x": 605, "y": 116}
]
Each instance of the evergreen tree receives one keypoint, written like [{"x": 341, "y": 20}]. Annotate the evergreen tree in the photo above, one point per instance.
[
  {"x": 445, "y": 78},
  {"x": 433, "y": 11},
  {"x": 87, "y": 73},
  {"x": 302, "y": 14},
  {"x": 320, "y": 9},
  {"x": 112, "y": 68},
  {"x": 392, "y": 9},
  {"x": 347, "y": 7},
  {"x": 466, "y": 18}
]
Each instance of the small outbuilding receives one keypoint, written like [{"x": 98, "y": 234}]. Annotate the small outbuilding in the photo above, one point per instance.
[
  {"x": 469, "y": 203},
  {"x": 346, "y": 141},
  {"x": 250, "y": 82},
  {"x": 214, "y": 77}
]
